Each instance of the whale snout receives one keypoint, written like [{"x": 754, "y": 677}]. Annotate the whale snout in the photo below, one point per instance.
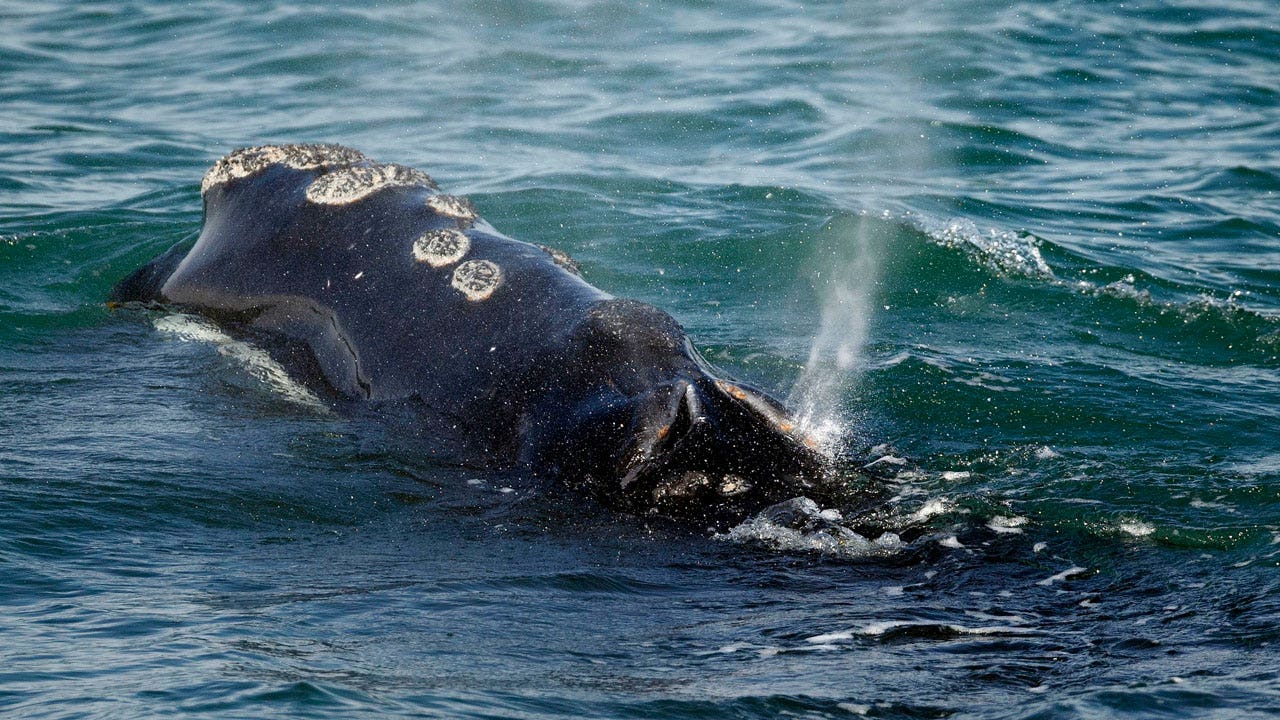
[
  {"x": 641, "y": 422},
  {"x": 708, "y": 449}
]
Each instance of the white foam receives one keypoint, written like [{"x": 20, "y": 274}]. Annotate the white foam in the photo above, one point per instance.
[
  {"x": 1073, "y": 570},
  {"x": 1207, "y": 505},
  {"x": 880, "y": 628},
  {"x": 989, "y": 381},
  {"x": 1122, "y": 288},
  {"x": 260, "y": 365},
  {"x": 1005, "y": 252},
  {"x": 828, "y": 638},
  {"x": 1137, "y": 528},
  {"x": 887, "y": 460},
  {"x": 936, "y": 506},
  {"x": 979, "y": 615},
  {"x": 1003, "y": 524},
  {"x": 799, "y": 525}
]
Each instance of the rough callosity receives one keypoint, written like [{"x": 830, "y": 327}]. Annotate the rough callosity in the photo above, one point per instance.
[
  {"x": 349, "y": 184},
  {"x": 249, "y": 161},
  {"x": 452, "y": 206},
  {"x": 439, "y": 248},
  {"x": 347, "y": 176},
  {"x": 563, "y": 259},
  {"x": 477, "y": 279}
]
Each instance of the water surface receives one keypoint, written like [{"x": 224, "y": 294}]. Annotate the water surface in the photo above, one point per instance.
[{"x": 1024, "y": 257}]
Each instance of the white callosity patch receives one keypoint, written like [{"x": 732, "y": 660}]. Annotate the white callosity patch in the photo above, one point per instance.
[
  {"x": 477, "y": 279},
  {"x": 439, "y": 248},
  {"x": 249, "y": 161},
  {"x": 349, "y": 184},
  {"x": 452, "y": 206}
]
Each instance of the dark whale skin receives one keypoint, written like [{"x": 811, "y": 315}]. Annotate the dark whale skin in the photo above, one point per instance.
[{"x": 378, "y": 291}]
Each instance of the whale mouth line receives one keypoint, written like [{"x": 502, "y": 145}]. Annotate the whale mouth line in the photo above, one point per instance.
[
  {"x": 716, "y": 443},
  {"x": 682, "y": 416}
]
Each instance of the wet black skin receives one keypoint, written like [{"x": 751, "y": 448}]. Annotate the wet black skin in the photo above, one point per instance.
[{"x": 549, "y": 374}]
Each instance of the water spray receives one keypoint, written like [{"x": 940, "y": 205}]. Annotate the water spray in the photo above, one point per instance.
[{"x": 846, "y": 277}]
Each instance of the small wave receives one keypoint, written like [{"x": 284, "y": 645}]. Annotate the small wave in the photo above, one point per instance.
[
  {"x": 1136, "y": 528},
  {"x": 1240, "y": 177},
  {"x": 1001, "y": 251},
  {"x": 920, "y": 630},
  {"x": 1176, "y": 306},
  {"x": 1064, "y": 575},
  {"x": 1239, "y": 328},
  {"x": 260, "y": 365},
  {"x": 1007, "y": 525}
]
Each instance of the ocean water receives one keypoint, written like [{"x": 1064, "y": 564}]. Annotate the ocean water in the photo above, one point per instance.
[{"x": 1020, "y": 261}]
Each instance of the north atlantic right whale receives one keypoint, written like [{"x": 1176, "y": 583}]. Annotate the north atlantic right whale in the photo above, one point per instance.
[{"x": 376, "y": 289}]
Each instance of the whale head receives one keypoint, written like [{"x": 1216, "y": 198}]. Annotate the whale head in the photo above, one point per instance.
[{"x": 645, "y": 425}]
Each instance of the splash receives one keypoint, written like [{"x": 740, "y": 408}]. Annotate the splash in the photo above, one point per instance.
[
  {"x": 847, "y": 273},
  {"x": 1004, "y": 252},
  {"x": 800, "y": 525}
]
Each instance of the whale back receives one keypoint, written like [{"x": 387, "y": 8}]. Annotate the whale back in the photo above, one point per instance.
[
  {"x": 393, "y": 291},
  {"x": 381, "y": 291}
]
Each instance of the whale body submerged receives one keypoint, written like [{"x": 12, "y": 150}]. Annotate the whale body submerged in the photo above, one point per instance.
[{"x": 379, "y": 291}]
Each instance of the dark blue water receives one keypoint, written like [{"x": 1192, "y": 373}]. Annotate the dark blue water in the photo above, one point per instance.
[{"x": 1023, "y": 258}]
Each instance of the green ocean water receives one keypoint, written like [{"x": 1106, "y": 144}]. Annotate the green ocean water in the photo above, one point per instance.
[{"x": 1021, "y": 261}]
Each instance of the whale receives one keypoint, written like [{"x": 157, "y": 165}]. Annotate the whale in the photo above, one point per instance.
[{"x": 388, "y": 296}]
